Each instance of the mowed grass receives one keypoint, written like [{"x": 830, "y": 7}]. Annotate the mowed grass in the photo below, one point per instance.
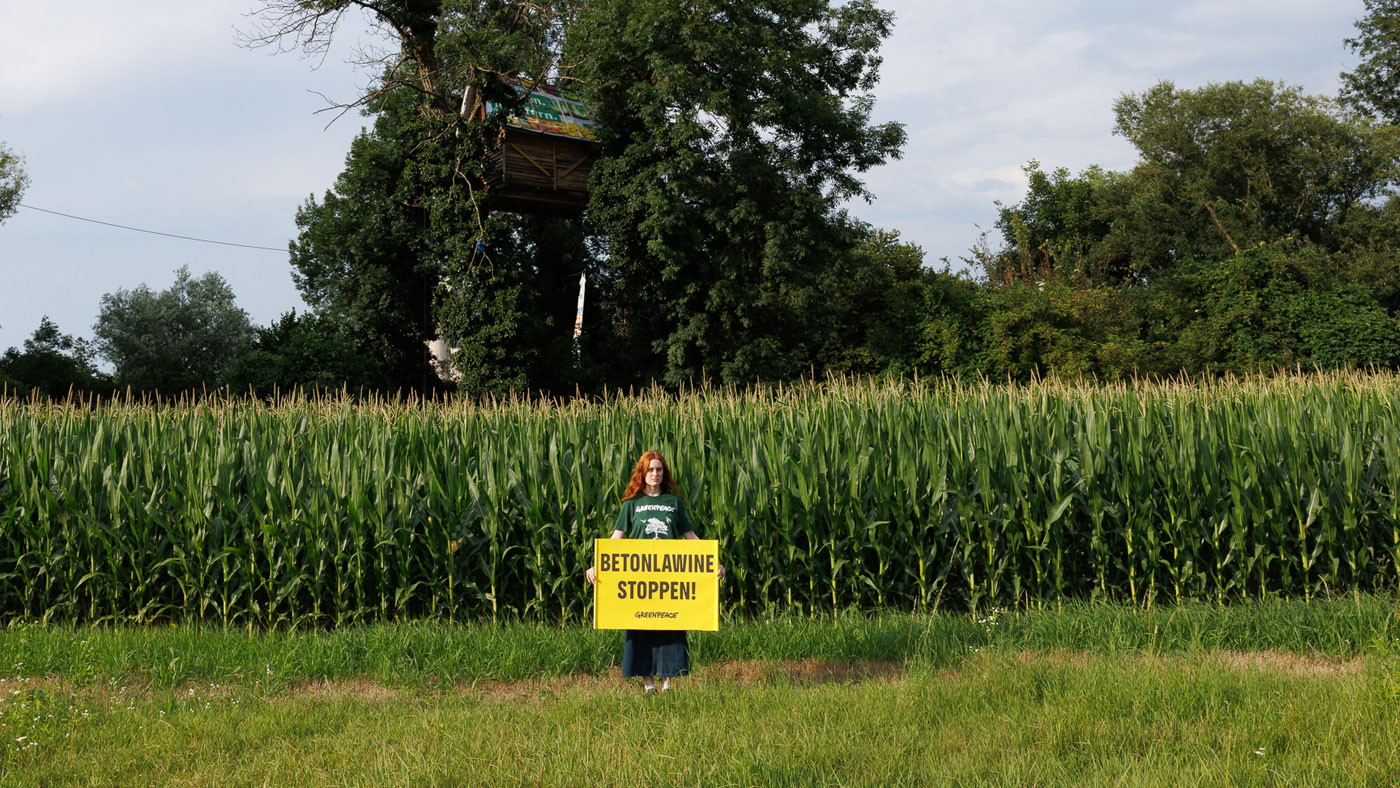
[{"x": 1276, "y": 693}]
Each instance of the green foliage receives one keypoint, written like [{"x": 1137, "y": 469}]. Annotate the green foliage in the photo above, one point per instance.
[
  {"x": 509, "y": 306},
  {"x": 1374, "y": 87},
  {"x": 732, "y": 130},
  {"x": 364, "y": 258},
  {"x": 1183, "y": 263},
  {"x": 875, "y": 299},
  {"x": 714, "y": 244},
  {"x": 304, "y": 352},
  {"x": 1062, "y": 328},
  {"x": 53, "y": 365},
  {"x": 1282, "y": 305},
  {"x": 1232, "y": 165},
  {"x": 1058, "y": 227},
  {"x": 951, "y": 334},
  {"x": 174, "y": 340},
  {"x": 407, "y": 246},
  {"x": 1368, "y": 252},
  {"x": 13, "y": 181},
  {"x": 398, "y": 252}
]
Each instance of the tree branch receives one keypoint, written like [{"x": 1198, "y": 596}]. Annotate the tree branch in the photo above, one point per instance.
[{"x": 1223, "y": 231}]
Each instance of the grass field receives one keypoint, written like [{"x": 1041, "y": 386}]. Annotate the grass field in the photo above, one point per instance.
[{"x": 1270, "y": 693}]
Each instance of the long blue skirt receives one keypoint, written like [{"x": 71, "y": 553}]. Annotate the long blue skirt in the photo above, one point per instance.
[{"x": 655, "y": 652}]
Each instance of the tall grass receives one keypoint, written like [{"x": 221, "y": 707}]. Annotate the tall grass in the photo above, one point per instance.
[{"x": 844, "y": 495}]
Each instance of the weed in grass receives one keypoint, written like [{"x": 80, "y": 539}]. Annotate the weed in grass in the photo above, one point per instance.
[{"x": 33, "y": 716}]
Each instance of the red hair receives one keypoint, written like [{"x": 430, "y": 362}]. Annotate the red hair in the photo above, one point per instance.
[{"x": 638, "y": 482}]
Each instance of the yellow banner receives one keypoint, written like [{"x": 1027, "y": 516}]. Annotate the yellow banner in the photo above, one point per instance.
[{"x": 656, "y": 584}]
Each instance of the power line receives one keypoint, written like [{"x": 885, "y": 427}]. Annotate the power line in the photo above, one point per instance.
[{"x": 152, "y": 232}]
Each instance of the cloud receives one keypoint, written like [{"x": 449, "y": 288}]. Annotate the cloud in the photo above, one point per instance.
[
  {"x": 984, "y": 88},
  {"x": 995, "y": 183},
  {"x": 83, "y": 49},
  {"x": 92, "y": 47}
]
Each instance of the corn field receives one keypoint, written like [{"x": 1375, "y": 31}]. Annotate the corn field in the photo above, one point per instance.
[{"x": 849, "y": 494}]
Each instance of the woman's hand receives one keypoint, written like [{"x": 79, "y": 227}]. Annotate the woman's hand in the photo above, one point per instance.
[
  {"x": 721, "y": 572},
  {"x": 590, "y": 574}
]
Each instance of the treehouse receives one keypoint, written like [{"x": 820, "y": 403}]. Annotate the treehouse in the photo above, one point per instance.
[{"x": 543, "y": 154}]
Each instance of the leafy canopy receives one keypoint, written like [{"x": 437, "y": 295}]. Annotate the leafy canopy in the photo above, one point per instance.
[
  {"x": 302, "y": 352},
  {"x": 52, "y": 364},
  {"x": 733, "y": 130},
  {"x": 172, "y": 340},
  {"x": 13, "y": 180},
  {"x": 1235, "y": 164},
  {"x": 1374, "y": 86}
]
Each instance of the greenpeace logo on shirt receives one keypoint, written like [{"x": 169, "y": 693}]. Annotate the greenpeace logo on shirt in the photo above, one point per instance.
[{"x": 655, "y": 507}]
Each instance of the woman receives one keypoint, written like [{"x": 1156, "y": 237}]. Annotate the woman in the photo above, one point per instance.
[{"x": 651, "y": 509}]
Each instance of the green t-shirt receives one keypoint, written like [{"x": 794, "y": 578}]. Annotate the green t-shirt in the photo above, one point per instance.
[{"x": 663, "y": 516}]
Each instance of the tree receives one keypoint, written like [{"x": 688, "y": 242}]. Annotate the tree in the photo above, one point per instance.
[
  {"x": 407, "y": 244},
  {"x": 876, "y": 297},
  {"x": 732, "y": 131},
  {"x": 365, "y": 259},
  {"x": 950, "y": 336},
  {"x": 306, "y": 352},
  {"x": 174, "y": 340},
  {"x": 1063, "y": 326},
  {"x": 735, "y": 130},
  {"x": 1374, "y": 87},
  {"x": 1059, "y": 227},
  {"x": 449, "y": 53},
  {"x": 395, "y": 253},
  {"x": 1106, "y": 273},
  {"x": 1368, "y": 252},
  {"x": 1282, "y": 305},
  {"x": 13, "y": 181},
  {"x": 510, "y": 312},
  {"x": 52, "y": 364},
  {"x": 1232, "y": 165}
]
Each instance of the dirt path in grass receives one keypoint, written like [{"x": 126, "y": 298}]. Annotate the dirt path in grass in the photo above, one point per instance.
[
  {"x": 741, "y": 673},
  {"x": 748, "y": 673},
  {"x": 815, "y": 672}
]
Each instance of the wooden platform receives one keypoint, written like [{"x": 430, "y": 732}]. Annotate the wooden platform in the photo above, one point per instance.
[{"x": 533, "y": 172}]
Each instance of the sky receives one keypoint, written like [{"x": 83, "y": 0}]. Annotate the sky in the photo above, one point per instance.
[{"x": 148, "y": 113}]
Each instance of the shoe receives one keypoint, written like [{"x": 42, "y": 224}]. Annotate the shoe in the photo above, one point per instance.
[{"x": 648, "y": 690}]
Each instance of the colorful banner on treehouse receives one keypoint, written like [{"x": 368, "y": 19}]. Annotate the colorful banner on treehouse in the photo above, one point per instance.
[
  {"x": 550, "y": 110},
  {"x": 656, "y": 584}
]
